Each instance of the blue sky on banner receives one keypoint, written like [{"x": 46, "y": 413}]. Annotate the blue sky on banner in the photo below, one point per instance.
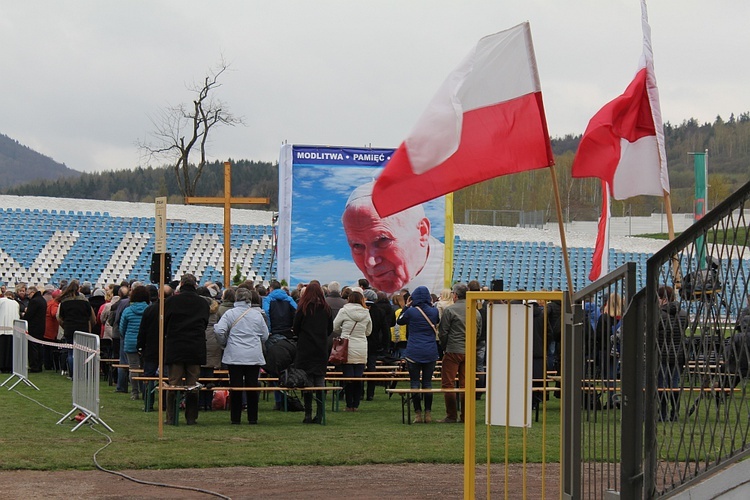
[
  {"x": 87, "y": 75},
  {"x": 322, "y": 182}
]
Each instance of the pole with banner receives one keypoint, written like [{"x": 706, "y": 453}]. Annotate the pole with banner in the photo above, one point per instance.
[
  {"x": 700, "y": 164},
  {"x": 160, "y": 248}
]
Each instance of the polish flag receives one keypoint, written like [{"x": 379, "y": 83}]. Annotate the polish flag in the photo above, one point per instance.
[
  {"x": 486, "y": 120},
  {"x": 623, "y": 145}
]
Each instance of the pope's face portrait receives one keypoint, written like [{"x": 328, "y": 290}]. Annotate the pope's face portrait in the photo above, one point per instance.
[{"x": 390, "y": 251}]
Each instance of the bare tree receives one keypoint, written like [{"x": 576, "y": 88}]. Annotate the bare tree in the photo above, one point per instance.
[{"x": 182, "y": 130}]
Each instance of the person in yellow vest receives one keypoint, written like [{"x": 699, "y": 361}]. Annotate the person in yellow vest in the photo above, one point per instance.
[{"x": 398, "y": 332}]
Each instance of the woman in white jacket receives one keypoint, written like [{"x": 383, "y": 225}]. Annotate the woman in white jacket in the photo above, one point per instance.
[
  {"x": 353, "y": 322},
  {"x": 242, "y": 331}
]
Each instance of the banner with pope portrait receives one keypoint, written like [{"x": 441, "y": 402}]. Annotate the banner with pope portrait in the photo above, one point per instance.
[{"x": 329, "y": 230}]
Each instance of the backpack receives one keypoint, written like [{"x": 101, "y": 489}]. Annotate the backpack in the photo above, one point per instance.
[
  {"x": 698, "y": 282},
  {"x": 293, "y": 402},
  {"x": 743, "y": 321},
  {"x": 293, "y": 378},
  {"x": 736, "y": 354}
]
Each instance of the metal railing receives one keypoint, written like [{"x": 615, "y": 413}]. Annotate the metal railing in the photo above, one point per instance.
[
  {"x": 85, "y": 380},
  {"x": 601, "y": 389},
  {"x": 697, "y": 405},
  {"x": 20, "y": 355}
]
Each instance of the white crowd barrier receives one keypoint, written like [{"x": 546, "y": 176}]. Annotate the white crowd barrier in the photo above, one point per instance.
[
  {"x": 85, "y": 380},
  {"x": 20, "y": 355}
]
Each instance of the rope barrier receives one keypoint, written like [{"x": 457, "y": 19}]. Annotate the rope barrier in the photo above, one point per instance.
[{"x": 61, "y": 345}]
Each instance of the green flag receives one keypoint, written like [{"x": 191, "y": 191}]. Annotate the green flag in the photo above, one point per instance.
[{"x": 699, "y": 206}]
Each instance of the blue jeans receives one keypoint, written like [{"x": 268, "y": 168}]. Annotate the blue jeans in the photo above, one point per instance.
[
  {"x": 668, "y": 378},
  {"x": 353, "y": 390},
  {"x": 122, "y": 373},
  {"x": 70, "y": 362},
  {"x": 420, "y": 377},
  {"x": 481, "y": 358}
]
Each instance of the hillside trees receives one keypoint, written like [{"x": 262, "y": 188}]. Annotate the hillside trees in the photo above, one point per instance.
[
  {"x": 183, "y": 130},
  {"x": 728, "y": 143}
]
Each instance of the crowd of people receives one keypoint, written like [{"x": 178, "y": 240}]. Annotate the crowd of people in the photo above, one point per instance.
[{"x": 250, "y": 327}]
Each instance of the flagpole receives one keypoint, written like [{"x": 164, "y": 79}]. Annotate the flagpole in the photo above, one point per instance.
[{"x": 561, "y": 225}]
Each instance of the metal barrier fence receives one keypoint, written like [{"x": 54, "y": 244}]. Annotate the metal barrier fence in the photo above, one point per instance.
[
  {"x": 85, "y": 380},
  {"x": 602, "y": 389},
  {"x": 697, "y": 405},
  {"x": 20, "y": 355}
]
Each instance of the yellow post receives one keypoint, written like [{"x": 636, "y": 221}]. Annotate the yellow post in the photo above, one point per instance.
[
  {"x": 162, "y": 264},
  {"x": 448, "y": 252},
  {"x": 470, "y": 435},
  {"x": 470, "y": 391}
]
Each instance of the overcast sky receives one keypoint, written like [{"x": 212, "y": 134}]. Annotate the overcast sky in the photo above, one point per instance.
[{"x": 81, "y": 79}]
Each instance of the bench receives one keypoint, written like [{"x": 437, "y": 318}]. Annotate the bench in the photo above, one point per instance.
[
  {"x": 323, "y": 390},
  {"x": 406, "y": 396},
  {"x": 148, "y": 394}
]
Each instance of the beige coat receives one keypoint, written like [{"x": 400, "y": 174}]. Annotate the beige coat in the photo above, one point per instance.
[{"x": 353, "y": 322}]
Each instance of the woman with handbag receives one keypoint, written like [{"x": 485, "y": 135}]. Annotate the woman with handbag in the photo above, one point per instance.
[
  {"x": 354, "y": 324},
  {"x": 313, "y": 324},
  {"x": 421, "y": 351},
  {"x": 241, "y": 331},
  {"x": 74, "y": 314}
]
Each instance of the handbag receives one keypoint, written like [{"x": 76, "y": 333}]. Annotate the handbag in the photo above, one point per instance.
[
  {"x": 339, "y": 351},
  {"x": 294, "y": 378}
]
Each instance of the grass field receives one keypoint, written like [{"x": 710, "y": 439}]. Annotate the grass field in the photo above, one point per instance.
[{"x": 30, "y": 438}]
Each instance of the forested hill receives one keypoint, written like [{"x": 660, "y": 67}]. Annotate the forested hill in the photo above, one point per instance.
[
  {"x": 249, "y": 178},
  {"x": 20, "y": 164},
  {"x": 728, "y": 143}
]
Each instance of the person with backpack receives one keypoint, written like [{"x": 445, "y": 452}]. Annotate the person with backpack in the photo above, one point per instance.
[
  {"x": 313, "y": 324},
  {"x": 279, "y": 309},
  {"x": 673, "y": 322}
]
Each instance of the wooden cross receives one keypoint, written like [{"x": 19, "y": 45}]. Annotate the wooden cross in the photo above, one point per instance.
[{"x": 227, "y": 201}]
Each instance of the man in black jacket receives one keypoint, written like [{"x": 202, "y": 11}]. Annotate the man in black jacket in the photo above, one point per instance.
[
  {"x": 148, "y": 333},
  {"x": 36, "y": 312},
  {"x": 381, "y": 334},
  {"x": 185, "y": 320}
]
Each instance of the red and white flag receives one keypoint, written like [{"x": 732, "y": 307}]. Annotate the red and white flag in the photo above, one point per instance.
[
  {"x": 623, "y": 145},
  {"x": 486, "y": 120}
]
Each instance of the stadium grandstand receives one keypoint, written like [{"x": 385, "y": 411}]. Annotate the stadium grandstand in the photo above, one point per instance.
[{"x": 46, "y": 240}]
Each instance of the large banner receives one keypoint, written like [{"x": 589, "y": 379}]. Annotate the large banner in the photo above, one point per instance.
[{"x": 330, "y": 231}]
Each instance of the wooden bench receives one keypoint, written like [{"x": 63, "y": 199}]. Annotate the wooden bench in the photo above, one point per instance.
[
  {"x": 407, "y": 394},
  {"x": 284, "y": 390},
  {"x": 148, "y": 394}
]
